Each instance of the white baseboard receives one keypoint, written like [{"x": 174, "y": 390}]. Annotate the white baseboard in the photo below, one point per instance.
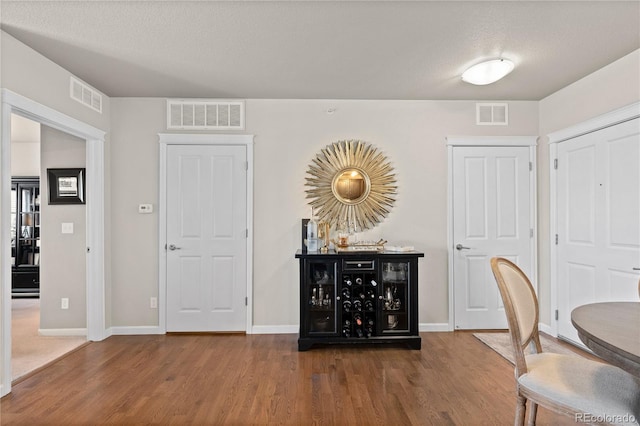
[
  {"x": 132, "y": 331},
  {"x": 62, "y": 331},
  {"x": 547, "y": 329},
  {"x": 434, "y": 327},
  {"x": 275, "y": 329},
  {"x": 257, "y": 329}
]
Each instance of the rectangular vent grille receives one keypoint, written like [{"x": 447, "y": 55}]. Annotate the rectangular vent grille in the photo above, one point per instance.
[
  {"x": 492, "y": 114},
  {"x": 86, "y": 95},
  {"x": 191, "y": 114}
]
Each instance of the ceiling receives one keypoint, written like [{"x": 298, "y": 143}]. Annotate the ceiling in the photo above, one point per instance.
[{"x": 324, "y": 49}]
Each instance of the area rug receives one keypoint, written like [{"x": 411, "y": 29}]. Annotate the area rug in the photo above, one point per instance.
[{"x": 501, "y": 343}]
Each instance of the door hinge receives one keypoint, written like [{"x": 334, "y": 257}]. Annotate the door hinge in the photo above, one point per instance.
[
  {"x": 555, "y": 164},
  {"x": 246, "y": 301},
  {"x": 556, "y": 239},
  {"x": 556, "y": 315},
  {"x": 246, "y": 233},
  {"x": 531, "y": 233},
  {"x": 246, "y": 165},
  {"x": 530, "y": 166},
  {"x": 88, "y": 249}
]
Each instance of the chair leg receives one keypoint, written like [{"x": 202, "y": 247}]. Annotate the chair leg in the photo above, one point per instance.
[
  {"x": 533, "y": 410},
  {"x": 521, "y": 407}
]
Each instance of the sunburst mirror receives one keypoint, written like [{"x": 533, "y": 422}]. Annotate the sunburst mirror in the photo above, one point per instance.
[{"x": 352, "y": 181}]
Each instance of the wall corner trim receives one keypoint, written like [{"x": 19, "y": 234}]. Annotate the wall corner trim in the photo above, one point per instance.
[{"x": 608, "y": 119}]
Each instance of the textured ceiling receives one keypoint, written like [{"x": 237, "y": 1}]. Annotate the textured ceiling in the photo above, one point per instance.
[{"x": 324, "y": 49}]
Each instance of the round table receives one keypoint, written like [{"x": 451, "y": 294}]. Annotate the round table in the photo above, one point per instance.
[{"x": 612, "y": 331}]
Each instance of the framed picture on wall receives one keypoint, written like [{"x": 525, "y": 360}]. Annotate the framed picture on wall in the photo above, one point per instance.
[{"x": 66, "y": 186}]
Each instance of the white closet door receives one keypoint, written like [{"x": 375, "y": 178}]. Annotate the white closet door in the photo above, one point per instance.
[
  {"x": 491, "y": 217},
  {"x": 598, "y": 199}
]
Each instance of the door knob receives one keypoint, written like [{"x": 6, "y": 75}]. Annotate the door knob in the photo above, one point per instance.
[
  {"x": 461, "y": 247},
  {"x": 173, "y": 247}
]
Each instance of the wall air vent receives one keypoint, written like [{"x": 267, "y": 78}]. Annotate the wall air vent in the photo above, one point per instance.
[
  {"x": 492, "y": 114},
  {"x": 85, "y": 94},
  {"x": 205, "y": 114}
]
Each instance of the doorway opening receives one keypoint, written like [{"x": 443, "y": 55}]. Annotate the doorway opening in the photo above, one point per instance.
[
  {"x": 13, "y": 103},
  {"x": 45, "y": 263}
]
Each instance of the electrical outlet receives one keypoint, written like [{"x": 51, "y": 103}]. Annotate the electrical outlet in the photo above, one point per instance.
[
  {"x": 153, "y": 303},
  {"x": 64, "y": 303}
]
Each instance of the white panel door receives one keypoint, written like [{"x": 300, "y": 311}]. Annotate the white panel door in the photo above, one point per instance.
[
  {"x": 598, "y": 219},
  {"x": 491, "y": 217},
  {"x": 206, "y": 238}
]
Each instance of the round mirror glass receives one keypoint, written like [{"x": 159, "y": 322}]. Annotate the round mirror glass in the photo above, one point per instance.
[{"x": 351, "y": 186}]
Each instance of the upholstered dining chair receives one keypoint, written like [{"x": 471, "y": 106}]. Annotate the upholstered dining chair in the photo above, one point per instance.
[{"x": 590, "y": 391}]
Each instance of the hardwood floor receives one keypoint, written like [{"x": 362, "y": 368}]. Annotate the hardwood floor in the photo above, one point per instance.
[{"x": 262, "y": 379}]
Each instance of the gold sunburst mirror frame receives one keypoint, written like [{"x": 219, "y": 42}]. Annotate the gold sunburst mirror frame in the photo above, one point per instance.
[{"x": 351, "y": 180}]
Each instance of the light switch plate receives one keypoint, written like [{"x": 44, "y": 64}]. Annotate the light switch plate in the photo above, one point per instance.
[{"x": 67, "y": 228}]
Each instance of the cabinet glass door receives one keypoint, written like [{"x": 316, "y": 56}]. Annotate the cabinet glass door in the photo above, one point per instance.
[
  {"x": 28, "y": 232},
  {"x": 394, "y": 297},
  {"x": 320, "y": 294}
]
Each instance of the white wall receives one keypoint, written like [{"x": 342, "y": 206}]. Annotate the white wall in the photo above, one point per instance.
[
  {"x": 288, "y": 133},
  {"x": 62, "y": 256},
  {"x": 25, "y": 147},
  {"x": 28, "y": 73},
  {"x": 612, "y": 87},
  {"x": 25, "y": 159}
]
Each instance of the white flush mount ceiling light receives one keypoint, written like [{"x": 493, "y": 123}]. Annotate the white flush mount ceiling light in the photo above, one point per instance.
[{"x": 487, "y": 72}]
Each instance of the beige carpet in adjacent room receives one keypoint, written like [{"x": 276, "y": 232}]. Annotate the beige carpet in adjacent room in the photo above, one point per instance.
[
  {"x": 501, "y": 343},
  {"x": 29, "y": 350}
]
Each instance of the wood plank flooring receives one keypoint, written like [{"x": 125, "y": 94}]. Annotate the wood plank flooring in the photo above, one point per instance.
[{"x": 262, "y": 379}]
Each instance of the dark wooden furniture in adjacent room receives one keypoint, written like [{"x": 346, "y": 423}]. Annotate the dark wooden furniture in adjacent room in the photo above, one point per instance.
[{"x": 25, "y": 236}]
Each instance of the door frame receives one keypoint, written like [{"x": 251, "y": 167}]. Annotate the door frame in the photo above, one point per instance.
[
  {"x": 13, "y": 103},
  {"x": 617, "y": 116},
  {"x": 165, "y": 140},
  {"x": 489, "y": 141}
]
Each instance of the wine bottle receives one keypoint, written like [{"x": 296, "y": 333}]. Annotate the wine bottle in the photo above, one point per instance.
[
  {"x": 357, "y": 305},
  {"x": 346, "y": 328},
  {"x": 312, "y": 234},
  {"x": 347, "y": 281},
  {"x": 357, "y": 318},
  {"x": 346, "y": 293},
  {"x": 368, "y": 305},
  {"x": 358, "y": 281},
  {"x": 346, "y": 305},
  {"x": 368, "y": 329}
]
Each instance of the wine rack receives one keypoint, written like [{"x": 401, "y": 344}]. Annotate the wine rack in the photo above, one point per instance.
[{"x": 349, "y": 298}]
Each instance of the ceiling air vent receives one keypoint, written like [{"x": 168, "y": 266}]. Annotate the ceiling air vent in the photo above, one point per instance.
[
  {"x": 86, "y": 95},
  {"x": 492, "y": 114},
  {"x": 203, "y": 114}
]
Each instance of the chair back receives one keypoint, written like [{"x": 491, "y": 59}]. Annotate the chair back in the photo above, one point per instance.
[{"x": 521, "y": 306}]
